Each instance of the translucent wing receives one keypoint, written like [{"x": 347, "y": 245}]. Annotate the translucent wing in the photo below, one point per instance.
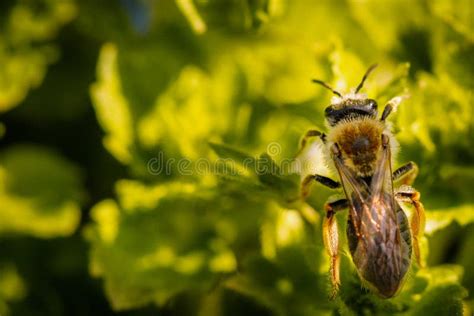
[
  {"x": 382, "y": 178},
  {"x": 382, "y": 205},
  {"x": 356, "y": 190},
  {"x": 379, "y": 219}
]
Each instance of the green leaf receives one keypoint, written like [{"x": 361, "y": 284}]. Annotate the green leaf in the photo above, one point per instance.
[
  {"x": 189, "y": 11},
  {"x": 283, "y": 185},
  {"x": 439, "y": 219},
  {"x": 138, "y": 272},
  {"x": 12, "y": 287},
  {"x": 140, "y": 122},
  {"x": 444, "y": 295},
  {"x": 145, "y": 250},
  {"x": 25, "y": 48},
  {"x": 238, "y": 77},
  {"x": 40, "y": 192},
  {"x": 260, "y": 176},
  {"x": 111, "y": 106},
  {"x": 287, "y": 286},
  {"x": 237, "y": 156}
]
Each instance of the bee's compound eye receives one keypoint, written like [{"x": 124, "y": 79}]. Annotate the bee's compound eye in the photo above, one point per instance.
[
  {"x": 373, "y": 104},
  {"x": 331, "y": 115}
]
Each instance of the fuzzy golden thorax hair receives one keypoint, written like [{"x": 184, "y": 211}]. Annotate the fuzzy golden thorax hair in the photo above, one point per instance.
[{"x": 360, "y": 143}]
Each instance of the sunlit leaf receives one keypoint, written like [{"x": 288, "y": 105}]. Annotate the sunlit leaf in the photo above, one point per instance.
[
  {"x": 40, "y": 192},
  {"x": 439, "y": 219},
  {"x": 443, "y": 295},
  {"x": 173, "y": 257},
  {"x": 112, "y": 107},
  {"x": 238, "y": 77},
  {"x": 25, "y": 46}
]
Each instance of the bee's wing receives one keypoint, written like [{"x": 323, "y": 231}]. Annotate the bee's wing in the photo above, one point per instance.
[
  {"x": 380, "y": 220},
  {"x": 382, "y": 185},
  {"x": 356, "y": 190}
]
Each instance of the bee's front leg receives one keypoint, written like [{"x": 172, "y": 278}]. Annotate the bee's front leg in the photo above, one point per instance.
[
  {"x": 306, "y": 184},
  {"x": 391, "y": 106},
  {"x": 309, "y": 134},
  {"x": 331, "y": 241},
  {"x": 408, "y": 194}
]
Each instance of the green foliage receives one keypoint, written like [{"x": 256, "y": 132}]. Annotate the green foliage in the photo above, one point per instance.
[
  {"x": 25, "y": 45},
  {"x": 175, "y": 257},
  {"x": 202, "y": 105},
  {"x": 252, "y": 90},
  {"x": 40, "y": 196},
  {"x": 40, "y": 192},
  {"x": 12, "y": 286}
]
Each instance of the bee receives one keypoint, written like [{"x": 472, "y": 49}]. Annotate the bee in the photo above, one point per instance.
[{"x": 361, "y": 148}]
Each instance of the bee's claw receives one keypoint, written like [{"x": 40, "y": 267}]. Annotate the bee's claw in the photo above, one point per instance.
[
  {"x": 334, "y": 291},
  {"x": 421, "y": 265}
]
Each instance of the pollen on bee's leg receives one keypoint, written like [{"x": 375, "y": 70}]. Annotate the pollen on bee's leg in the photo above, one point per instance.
[
  {"x": 331, "y": 243},
  {"x": 306, "y": 186},
  {"x": 417, "y": 224},
  {"x": 335, "y": 278}
]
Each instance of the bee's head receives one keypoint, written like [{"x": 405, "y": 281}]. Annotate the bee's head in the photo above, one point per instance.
[{"x": 351, "y": 105}]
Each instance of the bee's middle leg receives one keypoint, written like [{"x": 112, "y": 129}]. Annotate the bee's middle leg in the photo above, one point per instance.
[
  {"x": 408, "y": 194},
  {"x": 331, "y": 240},
  {"x": 306, "y": 184},
  {"x": 406, "y": 174}
]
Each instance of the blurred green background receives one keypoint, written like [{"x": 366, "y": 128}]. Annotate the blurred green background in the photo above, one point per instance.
[{"x": 113, "y": 116}]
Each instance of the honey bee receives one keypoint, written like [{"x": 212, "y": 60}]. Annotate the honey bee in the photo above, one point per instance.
[{"x": 361, "y": 149}]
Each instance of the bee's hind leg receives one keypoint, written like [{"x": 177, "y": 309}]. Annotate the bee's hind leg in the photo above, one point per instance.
[
  {"x": 406, "y": 174},
  {"x": 331, "y": 241},
  {"x": 408, "y": 194}
]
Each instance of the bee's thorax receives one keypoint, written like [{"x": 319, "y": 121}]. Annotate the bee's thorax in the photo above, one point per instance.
[{"x": 360, "y": 143}]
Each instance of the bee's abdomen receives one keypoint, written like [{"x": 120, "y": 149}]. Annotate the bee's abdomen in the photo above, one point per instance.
[
  {"x": 391, "y": 265},
  {"x": 385, "y": 263}
]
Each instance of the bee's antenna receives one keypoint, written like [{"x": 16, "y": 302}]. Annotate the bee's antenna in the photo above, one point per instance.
[
  {"x": 367, "y": 73},
  {"x": 324, "y": 84}
]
